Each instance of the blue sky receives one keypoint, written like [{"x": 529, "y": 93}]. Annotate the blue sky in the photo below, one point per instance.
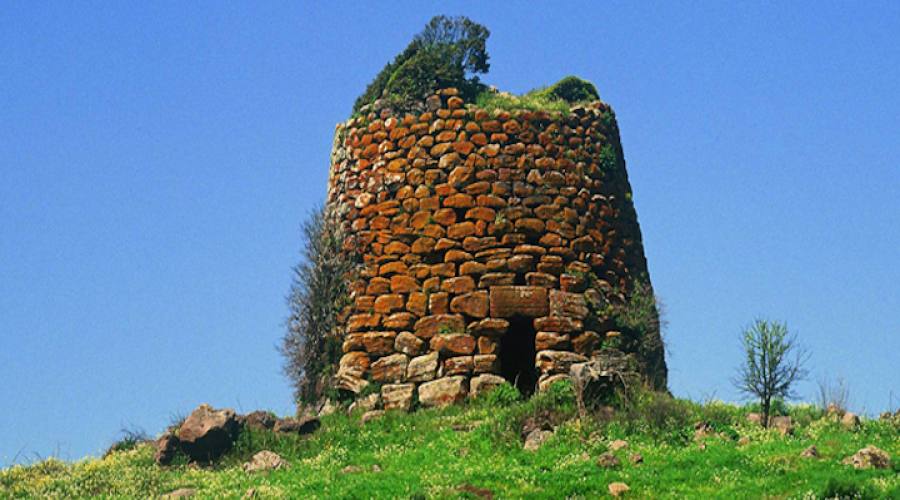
[{"x": 156, "y": 160}]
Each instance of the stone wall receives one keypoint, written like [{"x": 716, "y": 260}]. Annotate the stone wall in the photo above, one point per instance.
[{"x": 479, "y": 231}]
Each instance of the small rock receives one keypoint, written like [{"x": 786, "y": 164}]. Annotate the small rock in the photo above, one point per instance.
[
  {"x": 300, "y": 425},
  {"x": 869, "y": 457},
  {"x": 351, "y": 469},
  {"x": 617, "y": 489},
  {"x": 376, "y": 468},
  {"x": 180, "y": 493},
  {"x": 265, "y": 461},
  {"x": 536, "y": 438},
  {"x": 637, "y": 458},
  {"x": 850, "y": 421},
  {"x": 329, "y": 408},
  {"x": 608, "y": 461},
  {"x": 617, "y": 445},
  {"x": 743, "y": 441},
  {"x": 250, "y": 493},
  {"x": 811, "y": 452},
  {"x": 371, "y": 415},
  {"x": 754, "y": 418}
]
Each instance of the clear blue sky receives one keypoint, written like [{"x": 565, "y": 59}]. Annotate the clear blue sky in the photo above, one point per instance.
[{"x": 156, "y": 160}]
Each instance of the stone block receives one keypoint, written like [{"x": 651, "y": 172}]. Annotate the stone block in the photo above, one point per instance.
[
  {"x": 379, "y": 343},
  {"x": 453, "y": 344},
  {"x": 443, "y": 391},
  {"x": 429, "y": 326},
  {"x": 422, "y": 368},
  {"x": 397, "y": 396},
  {"x": 389, "y": 368},
  {"x": 409, "y": 344},
  {"x": 528, "y": 301},
  {"x": 474, "y": 304}
]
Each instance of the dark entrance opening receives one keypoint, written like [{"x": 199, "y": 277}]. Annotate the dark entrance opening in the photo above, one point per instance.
[{"x": 517, "y": 355}]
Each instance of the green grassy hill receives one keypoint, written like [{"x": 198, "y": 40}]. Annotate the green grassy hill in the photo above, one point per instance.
[{"x": 476, "y": 451}]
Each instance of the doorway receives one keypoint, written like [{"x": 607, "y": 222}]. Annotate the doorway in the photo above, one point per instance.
[{"x": 517, "y": 355}]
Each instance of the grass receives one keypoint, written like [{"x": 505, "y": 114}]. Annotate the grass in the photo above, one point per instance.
[
  {"x": 461, "y": 451},
  {"x": 558, "y": 97}
]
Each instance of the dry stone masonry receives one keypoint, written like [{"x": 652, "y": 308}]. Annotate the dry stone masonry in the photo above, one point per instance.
[{"x": 492, "y": 245}]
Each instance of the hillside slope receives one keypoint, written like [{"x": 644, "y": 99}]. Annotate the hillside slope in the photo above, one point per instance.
[{"x": 476, "y": 451}]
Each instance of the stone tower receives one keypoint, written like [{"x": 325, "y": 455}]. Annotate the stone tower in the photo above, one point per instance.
[{"x": 496, "y": 247}]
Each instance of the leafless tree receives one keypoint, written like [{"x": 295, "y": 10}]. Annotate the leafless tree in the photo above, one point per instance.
[{"x": 774, "y": 362}]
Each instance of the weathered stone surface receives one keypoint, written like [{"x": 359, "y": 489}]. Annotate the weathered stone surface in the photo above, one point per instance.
[
  {"x": 409, "y": 344},
  {"x": 398, "y": 396},
  {"x": 558, "y": 324},
  {"x": 486, "y": 363},
  {"x": 208, "y": 433},
  {"x": 166, "y": 448},
  {"x": 509, "y": 301},
  {"x": 552, "y": 341},
  {"x": 453, "y": 344},
  {"x": 557, "y": 361},
  {"x": 422, "y": 368},
  {"x": 458, "y": 365},
  {"x": 474, "y": 304},
  {"x": 379, "y": 343},
  {"x": 443, "y": 391},
  {"x": 389, "y": 368},
  {"x": 489, "y": 326},
  {"x": 261, "y": 420},
  {"x": 430, "y": 326},
  {"x": 568, "y": 304}
]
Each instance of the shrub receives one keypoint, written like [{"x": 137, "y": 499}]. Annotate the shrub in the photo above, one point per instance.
[
  {"x": 640, "y": 321},
  {"x": 659, "y": 416},
  {"x": 502, "y": 396},
  {"x": 442, "y": 55},
  {"x": 571, "y": 89},
  {"x": 312, "y": 346},
  {"x": 131, "y": 437}
]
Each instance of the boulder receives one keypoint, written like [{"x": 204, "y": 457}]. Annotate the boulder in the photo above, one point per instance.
[
  {"x": 869, "y": 457},
  {"x": 265, "y": 461},
  {"x": 208, "y": 433},
  {"x": 443, "y": 391},
  {"x": 298, "y": 425},
  {"x": 166, "y": 448},
  {"x": 259, "y": 419}
]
